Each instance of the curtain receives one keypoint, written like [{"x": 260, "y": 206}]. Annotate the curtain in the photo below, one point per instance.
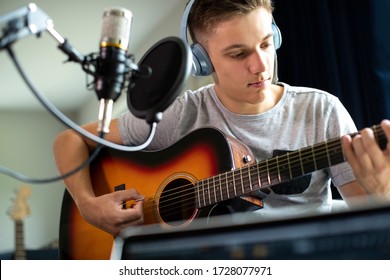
[{"x": 340, "y": 46}]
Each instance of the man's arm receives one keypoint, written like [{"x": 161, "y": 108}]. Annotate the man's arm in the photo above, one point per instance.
[
  {"x": 370, "y": 164},
  {"x": 105, "y": 212},
  {"x": 354, "y": 194}
]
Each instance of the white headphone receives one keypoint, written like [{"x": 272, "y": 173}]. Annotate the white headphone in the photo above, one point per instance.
[{"x": 201, "y": 63}]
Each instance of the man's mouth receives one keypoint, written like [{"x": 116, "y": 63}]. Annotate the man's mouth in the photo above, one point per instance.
[{"x": 259, "y": 84}]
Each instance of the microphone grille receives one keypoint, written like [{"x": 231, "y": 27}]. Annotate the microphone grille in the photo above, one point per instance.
[{"x": 116, "y": 28}]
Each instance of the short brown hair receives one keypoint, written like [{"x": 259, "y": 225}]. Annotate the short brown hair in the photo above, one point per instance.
[{"x": 206, "y": 14}]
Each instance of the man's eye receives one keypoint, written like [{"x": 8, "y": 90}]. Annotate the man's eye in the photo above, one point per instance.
[
  {"x": 238, "y": 55},
  {"x": 266, "y": 45}
]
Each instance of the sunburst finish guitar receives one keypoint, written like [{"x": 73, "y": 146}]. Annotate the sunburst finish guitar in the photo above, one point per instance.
[{"x": 185, "y": 181}]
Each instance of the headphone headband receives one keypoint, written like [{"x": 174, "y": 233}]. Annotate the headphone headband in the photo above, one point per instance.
[
  {"x": 201, "y": 63},
  {"x": 184, "y": 21}
]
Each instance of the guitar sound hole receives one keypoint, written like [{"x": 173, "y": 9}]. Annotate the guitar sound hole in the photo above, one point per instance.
[{"x": 177, "y": 202}]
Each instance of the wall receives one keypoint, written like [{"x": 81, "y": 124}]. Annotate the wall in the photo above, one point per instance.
[{"x": 26, "y": 146}]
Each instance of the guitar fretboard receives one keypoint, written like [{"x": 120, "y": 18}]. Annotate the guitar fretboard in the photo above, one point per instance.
[
  {"x": 273, "y": 171},
  {"x": 20, "y": 253}
]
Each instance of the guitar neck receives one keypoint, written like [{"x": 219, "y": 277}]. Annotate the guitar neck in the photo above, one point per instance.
[
  {"x": 273, "y": 171},
  {"x": 20, "y": 253}
]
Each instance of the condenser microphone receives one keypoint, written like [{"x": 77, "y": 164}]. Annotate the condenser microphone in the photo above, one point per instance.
[{"x": 111, "y": 65}]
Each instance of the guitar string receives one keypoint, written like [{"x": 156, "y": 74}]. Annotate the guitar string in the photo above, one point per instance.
[
  {"x": 293, "y": 162},
  {"x": 282, "y": 161},
  {"x": 213, "y": 194},
  {"x": 187, "y": 203},
  {"x": 244, "y": 171},
  {"x": 214, "y": 190}
]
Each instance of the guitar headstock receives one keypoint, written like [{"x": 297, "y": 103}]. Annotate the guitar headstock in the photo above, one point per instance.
[{"x": 20, "y": 208}]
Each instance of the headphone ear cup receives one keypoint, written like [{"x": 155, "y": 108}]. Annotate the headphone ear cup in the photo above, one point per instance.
[
  {"x": 201, "y": 63},
  {"x": 277, "y": 35}
]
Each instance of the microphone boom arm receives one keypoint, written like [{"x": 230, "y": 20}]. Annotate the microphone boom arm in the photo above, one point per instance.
[{"x": 29, "y": 20}]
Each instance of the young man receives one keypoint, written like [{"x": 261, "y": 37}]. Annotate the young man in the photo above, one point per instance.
[{"x": 271, "y": 119}]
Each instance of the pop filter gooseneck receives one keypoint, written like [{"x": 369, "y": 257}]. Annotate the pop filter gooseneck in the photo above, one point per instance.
[{"x": 149, "y": 94}]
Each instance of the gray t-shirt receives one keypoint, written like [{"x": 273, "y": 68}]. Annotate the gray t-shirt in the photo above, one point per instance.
[{"x": 302, "y": 117}]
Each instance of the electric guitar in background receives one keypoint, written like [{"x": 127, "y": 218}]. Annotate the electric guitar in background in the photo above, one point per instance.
[
  {"x": 18, "y": 212},
  {"x": 185, "y": 181}
]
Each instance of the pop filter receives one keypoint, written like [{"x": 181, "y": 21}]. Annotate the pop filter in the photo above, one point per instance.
[{"x": 149, "y": 94}]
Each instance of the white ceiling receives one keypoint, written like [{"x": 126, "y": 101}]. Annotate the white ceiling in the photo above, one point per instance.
[{"x": 80, "y": 21}]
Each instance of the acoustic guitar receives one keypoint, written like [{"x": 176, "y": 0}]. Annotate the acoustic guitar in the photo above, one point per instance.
[
  {"x": 18, "y": 212},
  {"x": 186, "y": 181}
]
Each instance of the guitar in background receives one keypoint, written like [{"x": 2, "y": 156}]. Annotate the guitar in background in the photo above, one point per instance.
[{"x": 18, "y": 212}]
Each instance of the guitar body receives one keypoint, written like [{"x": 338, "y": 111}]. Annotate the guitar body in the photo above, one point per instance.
[{"x": 166, "y": 178}]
